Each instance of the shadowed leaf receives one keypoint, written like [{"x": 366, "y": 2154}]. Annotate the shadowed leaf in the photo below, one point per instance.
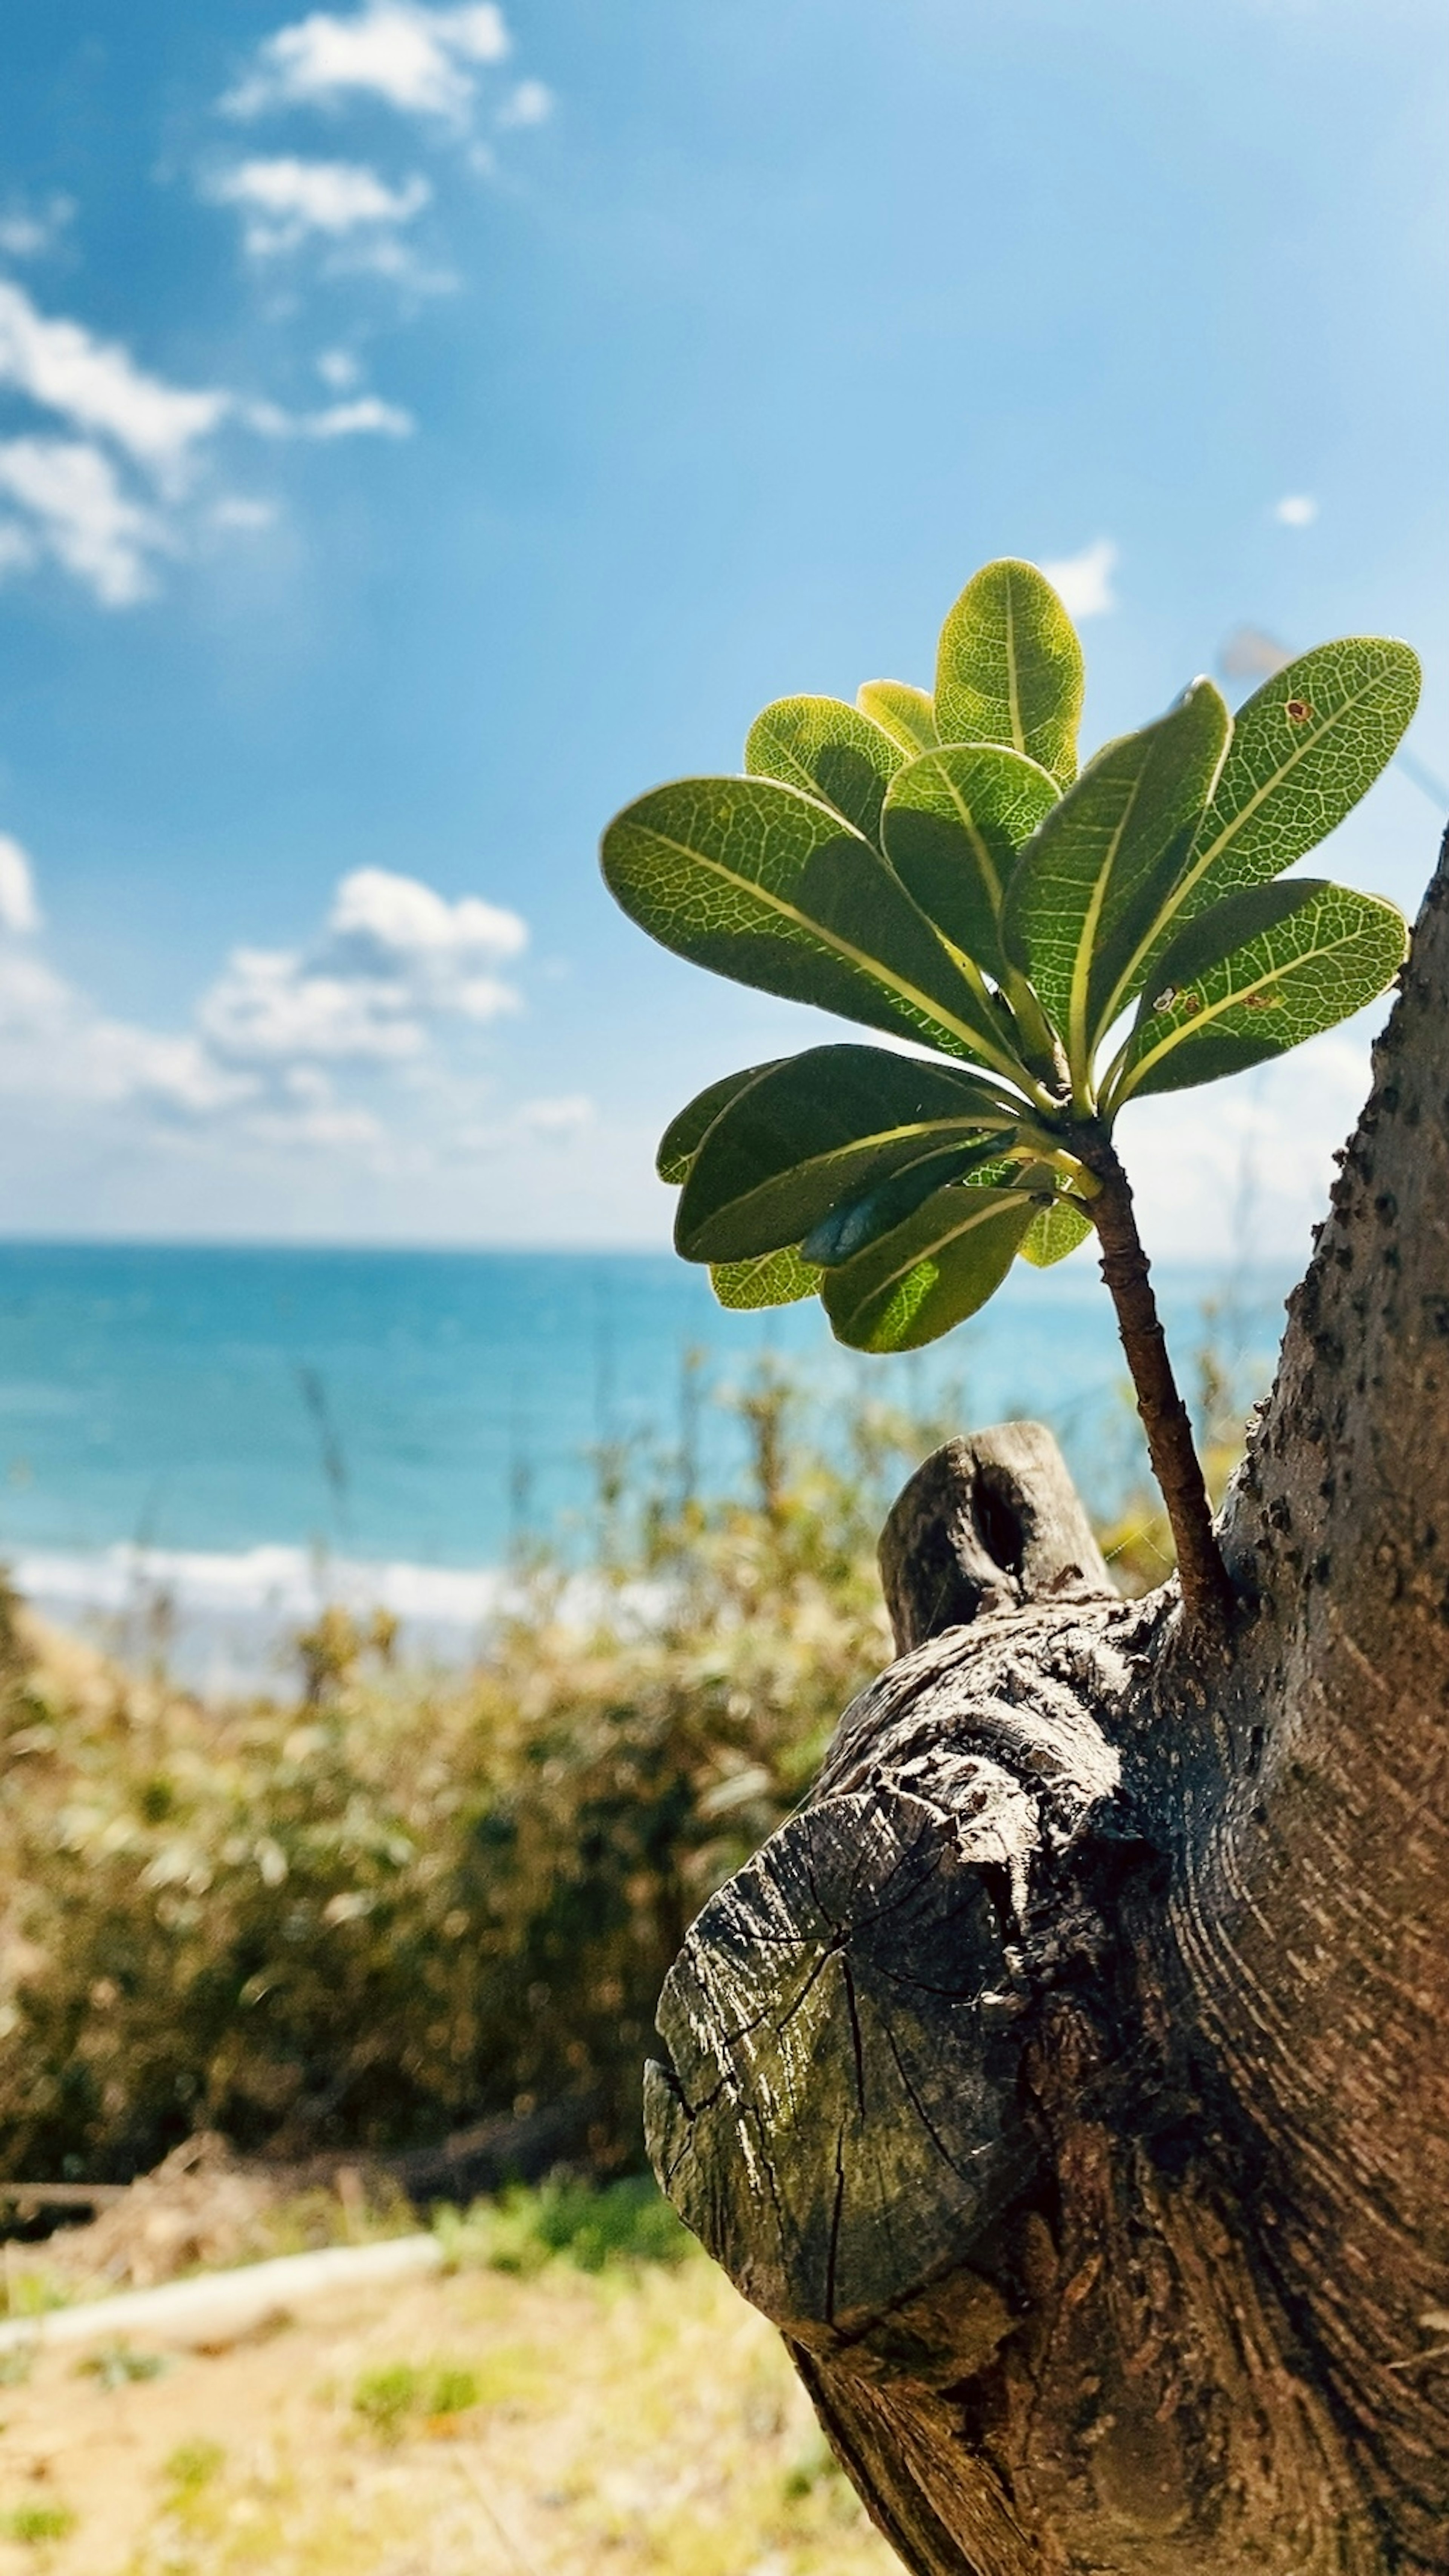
[
  {"x": 934, "y": 1270},
  {"x": 954, "y": 823},
  {"x": 1009, "y": 668},
  {"x": 817, "y": 1132},
  {"x": 826, "y": 748},
  {"x": 1257, "y": 975},
  {"x": 772, "y": 888},
  {"x": 686, "y": 1131},
  {"x": 854, "y": 1224}
]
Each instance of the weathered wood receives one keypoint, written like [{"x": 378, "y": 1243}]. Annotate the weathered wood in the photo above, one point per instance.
[
  {"x": 988, "y": 1523},
  {"x": 1068, "y": 2080}
]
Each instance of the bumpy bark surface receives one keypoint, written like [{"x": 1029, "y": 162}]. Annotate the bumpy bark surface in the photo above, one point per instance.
[{"x": 1070, "y": 2079}]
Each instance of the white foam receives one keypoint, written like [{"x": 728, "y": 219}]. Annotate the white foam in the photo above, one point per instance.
[{"x": 224, "y": 1622}]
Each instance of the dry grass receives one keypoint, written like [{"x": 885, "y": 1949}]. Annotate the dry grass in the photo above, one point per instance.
[{"x": 641, "y": 2419}]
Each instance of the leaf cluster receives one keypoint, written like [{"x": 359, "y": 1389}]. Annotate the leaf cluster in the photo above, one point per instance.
[{"x": 1042, "y": 945}]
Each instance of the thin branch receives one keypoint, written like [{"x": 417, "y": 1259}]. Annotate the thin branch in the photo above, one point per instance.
[{"x": 1206, "y": 1591}]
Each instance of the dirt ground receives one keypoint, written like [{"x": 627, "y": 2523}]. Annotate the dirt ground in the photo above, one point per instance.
[{"x": 479, "y": 2425}]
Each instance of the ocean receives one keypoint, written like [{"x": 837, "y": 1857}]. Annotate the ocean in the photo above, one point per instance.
[{"x": 200, "y": 1445}]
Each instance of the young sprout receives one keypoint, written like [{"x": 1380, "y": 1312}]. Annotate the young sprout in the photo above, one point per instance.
[{"x": 1054, "y": 945}]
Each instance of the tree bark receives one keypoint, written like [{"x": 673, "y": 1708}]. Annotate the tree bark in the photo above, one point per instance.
[{"x": 1069, "y": 2079}]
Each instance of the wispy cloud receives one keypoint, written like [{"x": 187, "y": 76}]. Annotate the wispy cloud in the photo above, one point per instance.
[
  {"x": 366, "y": 416},
  {"x": 28, "y": 232},
  {"x": 116, "y": 490},
  {"x": 418, "y": 60},
  {"x": 1084, "y": 582},
  {"x": 288, "y": 201},
  {"x": 77, "y": 514},
  {"x": 279, "y": 1032},
  {"x": 530, "y": 103},
  {"x": 1296, "y": 510},
  {"x": 97, "y": 385},
  {"x": 19, "y": 911}
]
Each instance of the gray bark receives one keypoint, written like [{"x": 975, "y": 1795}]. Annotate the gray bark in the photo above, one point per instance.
[{"x": 1068, "y": 2080}]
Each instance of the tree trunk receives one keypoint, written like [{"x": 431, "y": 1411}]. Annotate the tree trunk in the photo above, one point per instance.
[{"x": 1069, "y": 2080}]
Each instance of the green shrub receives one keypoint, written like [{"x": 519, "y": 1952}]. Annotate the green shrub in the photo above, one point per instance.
[
  {"x": 396, "y": 1907},
  {"x": 192, "y": 2466},
  {"x": 33, "y": 2524},
  {"x": 566, "y": 2220},
  {"x": 385, "y": 2398}
]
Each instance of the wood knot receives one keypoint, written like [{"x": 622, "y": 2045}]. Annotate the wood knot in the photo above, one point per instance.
[{"x": 991, "y": 1522}]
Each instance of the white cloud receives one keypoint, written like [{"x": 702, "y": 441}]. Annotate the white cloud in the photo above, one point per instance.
[
  {"x": 1296, "y": 510},
  {"x": 393, "y": 964},
  {"x": 339, "y": 369},
  {"x": 1084, "y": 582},
  {"x": 19, "y": 911},
  {"x": 80, "y": 515},
  {"x": 74, "y": 499},
  {"x": 531, "y": 103},
  {"x": 25, "y": 232},
  {"x": 367, "y": 416},
  {"x": 241, "y": 511},
  {"x": 394, "y": 956},
  {"x": 410, "y": 57},
  {"x": 55, "y": 1047},
  {"x": 97, "y": 386},
  {"x": 286, "y": 201},
  {"x": 268, "y": 1005}
]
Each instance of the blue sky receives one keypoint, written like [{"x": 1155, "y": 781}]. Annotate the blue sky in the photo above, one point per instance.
[{"x": 424, "y": 427}]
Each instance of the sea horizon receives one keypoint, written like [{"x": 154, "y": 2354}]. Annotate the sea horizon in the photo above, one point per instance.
[{"x": 201, "y": 1443}]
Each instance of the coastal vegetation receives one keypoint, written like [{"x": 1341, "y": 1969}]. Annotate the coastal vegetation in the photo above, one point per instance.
[{"x": 388, "y": 1905}]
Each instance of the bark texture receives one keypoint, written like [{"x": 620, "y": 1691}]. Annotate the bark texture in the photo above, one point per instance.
[{"x": 1069, "y": 2080}]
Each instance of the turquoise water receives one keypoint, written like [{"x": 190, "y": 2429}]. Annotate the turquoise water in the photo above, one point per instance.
[{"x": 233, "y": 1416}]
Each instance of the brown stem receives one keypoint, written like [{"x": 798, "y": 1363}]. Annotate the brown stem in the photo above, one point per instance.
[{"x": 1206, "y": 1591}]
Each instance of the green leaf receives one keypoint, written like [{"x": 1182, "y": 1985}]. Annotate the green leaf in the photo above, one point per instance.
[
  {"x": 826, "y": 748},
  {"x": 1100, "y": 859},
  {"x": 820, "y": 1129},
  {"x": 932, "y": 1272},
  {"x": 1054, "y": 1232},
  {"x": 686, "y": 1132},
  {"x": 954, "y": 823},
  {"x": 1305, "y": 748},
  {"x": 1261, "y": 972},
  {"x": 770, "y": 887},
  {"x": 853, "y": 1224},
  {"x": 772, "y": 1279},
  {"x": 1009, "y": 668},
  {"x": 906, "y": 714}
]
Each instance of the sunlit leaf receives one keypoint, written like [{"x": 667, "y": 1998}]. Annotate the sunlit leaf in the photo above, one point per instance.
[
  {"x": 772, "y": 1279},
  {"x": 932, "y": 1272},
  {"x": 817, "y": 1131},
  {"x": 771, "y": 887},
  {"x": 1054, "y": 1232},
  {"x": 686, "y": 1132},
  {"x": 1305, "y": 748},
  {"x": 907, "y": 714},
  {"x": 1261, "y": 972},
  {"x": 954, "y": 823},
  {"x": 1009, "y": 668},
  {"x": 1100, "y": 858},
  {"x": 829, "y": 750}
]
